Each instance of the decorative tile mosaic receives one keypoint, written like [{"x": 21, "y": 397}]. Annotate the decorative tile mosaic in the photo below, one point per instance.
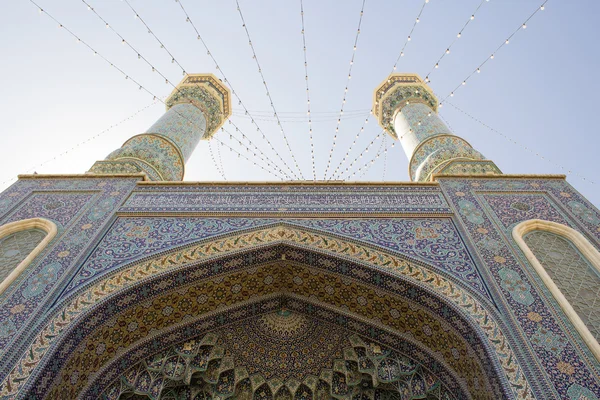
[
  {"x": 175, "y": 124},
  {"x": 435, "y": 152},
  {"x": 80, "y": 207},
  {"x": 156, "y": 151},
  {"x": 478, "y": 314},
  {"x": 58, "y": 207},
  {"x": 284, "y": 353},
  {"x": 432, "y": 240},
  {"x": 418, "y": 321},
  {"x": 488, "y": 219},
  {"x": 287, "y": 199}
]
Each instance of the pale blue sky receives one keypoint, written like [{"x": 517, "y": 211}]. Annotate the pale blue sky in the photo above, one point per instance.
[{"x": 538, "y": 90}]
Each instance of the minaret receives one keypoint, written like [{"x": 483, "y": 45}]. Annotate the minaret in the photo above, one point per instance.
[
  {"x": 196, "y": 109},
  {"x": 407, "y": 109}
]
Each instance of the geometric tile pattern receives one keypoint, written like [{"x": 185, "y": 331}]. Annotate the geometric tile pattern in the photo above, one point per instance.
[
  {"x": 576, "y": 278},
  {"x": 433, "y": 240},
  {"x": 80, "y": 207},
  {"x": 300, "y": 358},
  {"x": 15, "y": 247},
  {"x": 239, "y": 284},
  {"x": 488, "y": 209}
]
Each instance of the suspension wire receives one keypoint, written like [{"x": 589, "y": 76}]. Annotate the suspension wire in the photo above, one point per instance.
[
  {"x": 302, "y": 119},
  {"x": 504, "y": 43},
  {"x": 302, "y": 113},
  {"x": 140, "y": 56},
  {"x": 337, "y": 127},
  {"x": 409, "y": 37},
  {"x": 141, "y": 87},
  {"x": 362, "y": 128},
  {"x": 385, "y": 158},
  {"x": 366, "y": 150},
  {"x": 268, "y": 92},
  {"x": 310, "y": 131},
  {"x": 395, "y": 66},
  {"x": 458, "y": 36},
  {"x": 220, "y": 159},
  {"x": 150, "y": 31},
  {"x": 233, "y": 91},
  {"x": 214, "y": 160},
  {"x": 89, "y": 139},
  {"x": 516, "y": 143},
  {"x": 370, "y": 163}
]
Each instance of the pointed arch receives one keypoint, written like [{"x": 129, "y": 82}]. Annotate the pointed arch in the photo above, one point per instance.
[
  {"x": 586, "y": 250},
  {"x": 352, "y": 260},
  {"x": 14, "y": 228}
]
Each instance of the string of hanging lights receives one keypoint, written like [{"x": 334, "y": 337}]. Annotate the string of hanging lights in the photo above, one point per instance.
[
  {"x": 384, "y": 160},
  {"x": 458, "y": 36},
  {"x": 339, "y": 120},
  {"x": 220, "y": 159},
  {"x": 84, "y": 142},
  {"x": 154, "y": 69},
  {"x": 476, "y": 71},
  {"x": 268, "y": 92},
  {"x": 395, "y": 66},
  {"x": 214, "y": 160},
  {"x": 140, "y": 86},
  {"x": 340, "y": 176},
  {"x": 310, "y": 131},
  {"x": 233, "y": 91},
  {"x": 567, "y": 171},
  {"x": 361, "y": 130},
  {"x": 365, "y": 168},
  {"x": 409, "y": 37}
]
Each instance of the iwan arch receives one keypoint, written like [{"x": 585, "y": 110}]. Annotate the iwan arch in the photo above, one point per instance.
[{"x": 154, "y": 288}]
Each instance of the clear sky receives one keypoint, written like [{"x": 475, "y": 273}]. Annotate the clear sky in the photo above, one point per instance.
[{"x": 537, "y": 91}]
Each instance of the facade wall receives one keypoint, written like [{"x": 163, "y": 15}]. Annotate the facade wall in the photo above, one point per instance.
[{"x": 459, "y": 230}]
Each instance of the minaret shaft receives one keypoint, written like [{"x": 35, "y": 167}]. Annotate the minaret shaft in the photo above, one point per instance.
[
  {"x": 407, "y": 109},
  {"x": 196, "y": 109},
  {"x": 184, "y": 125}
]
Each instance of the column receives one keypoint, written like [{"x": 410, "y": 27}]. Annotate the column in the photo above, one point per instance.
[
  {"x": 407, "y": 109},
  {"x": 196, "y": 109}
]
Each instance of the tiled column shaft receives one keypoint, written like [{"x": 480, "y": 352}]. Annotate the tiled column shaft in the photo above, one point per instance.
[
  {"x": 196, "y": 109},
  {"x": 407, "y": 109}
]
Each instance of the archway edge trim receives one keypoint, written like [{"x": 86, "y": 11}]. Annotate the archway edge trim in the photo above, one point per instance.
[
  {"x": 588, "y": 251},
  {"x": 32, "y": 223}
]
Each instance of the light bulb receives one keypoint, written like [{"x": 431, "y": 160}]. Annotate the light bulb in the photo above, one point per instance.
[
  {"x": 447, "y": 51},
  {"x": 409, "y": 39},
  {"x": 542, "y": 7},
  {"x": 492, "y": 56},
  {"x": 524, "y": 26},
  {"x": 459, "y": 35}
]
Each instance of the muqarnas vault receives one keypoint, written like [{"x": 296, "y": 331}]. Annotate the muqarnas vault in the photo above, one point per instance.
[{"x": 127, "y": 283}]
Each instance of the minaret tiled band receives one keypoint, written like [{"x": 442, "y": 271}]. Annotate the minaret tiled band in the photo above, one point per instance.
[
  {"x": 407, "y": 109},
  {"x": 196, "y": 109}
]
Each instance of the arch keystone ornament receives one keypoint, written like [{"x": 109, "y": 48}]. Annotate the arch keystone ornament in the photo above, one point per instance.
[
  {"x": 407, "y": 109},
  {"x": 198, "y": 106},
  {"x": 116, "y": 325}
]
